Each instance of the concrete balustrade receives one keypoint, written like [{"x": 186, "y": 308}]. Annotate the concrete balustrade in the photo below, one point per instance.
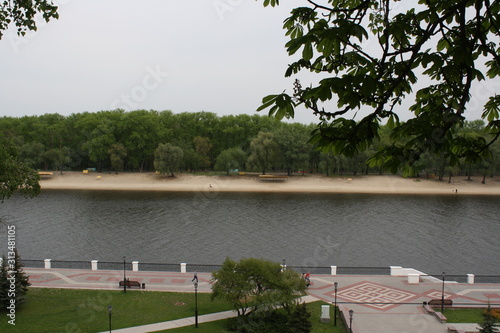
[
  {"x": 413, "y": 276},
  {"x": 396, "y": 271}
]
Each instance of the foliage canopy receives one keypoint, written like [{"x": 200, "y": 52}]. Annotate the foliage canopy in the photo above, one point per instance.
[
  {"x": 22, "y": 14},
  {"x": 253, "y": 284},
  {"x": 14, "y": 175},
  {"x": 370, "y": 55}
]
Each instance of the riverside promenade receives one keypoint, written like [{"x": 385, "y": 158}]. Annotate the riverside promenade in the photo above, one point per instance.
[{"x": 381, "y": 303}]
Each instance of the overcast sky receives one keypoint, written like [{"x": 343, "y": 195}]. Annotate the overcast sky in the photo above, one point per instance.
[{"x": 218, "y": 56}]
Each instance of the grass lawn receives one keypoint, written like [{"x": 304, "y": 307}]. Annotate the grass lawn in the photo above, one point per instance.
[
  {"x": 314, "y": 308},
  {"x": 458, "y": 315},
  {"x": 72, "y": 310},
  {"x": 67, "y": 310}
]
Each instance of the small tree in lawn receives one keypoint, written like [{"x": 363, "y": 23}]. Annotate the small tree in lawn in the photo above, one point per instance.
[
  {"x": 300, "y": 322},
  {"x": 490, "y": 322},
  {"x": 14, "y": 282},
  {"x": 253, "y": 285}
]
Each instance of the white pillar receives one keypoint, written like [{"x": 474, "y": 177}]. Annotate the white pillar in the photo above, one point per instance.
[
  {"x": 333, "y": 270},
  {"x": 183, "y": 267},
  {"x": 396, "y": 271},
  {"x": 47, "y": 263},
  {"x": 413, "y": 278},
  {"x": 135, "y": 266},
  {"x": 470, "y": 278},
  {"x": 94, "y": 265},
  {"x": 325, "y": 314}
]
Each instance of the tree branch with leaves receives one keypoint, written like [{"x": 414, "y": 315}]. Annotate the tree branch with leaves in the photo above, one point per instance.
[
  {"x": 371, "y": 55},
  {"x": 22, "y": 14}
]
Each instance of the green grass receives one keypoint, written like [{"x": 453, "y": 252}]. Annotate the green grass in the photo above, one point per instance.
[
  {"x": 65, "y": 310},
  {"x": 314, "y": 308},
  {"x": 463, "y": 315},
  {"x": 71, "y": 310}
]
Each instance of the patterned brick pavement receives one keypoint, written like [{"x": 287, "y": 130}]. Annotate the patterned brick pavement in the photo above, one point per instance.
[{"x": 381, "y": 303}]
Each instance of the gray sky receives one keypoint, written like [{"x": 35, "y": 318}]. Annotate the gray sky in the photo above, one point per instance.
[{"x": 218, "y": 56}]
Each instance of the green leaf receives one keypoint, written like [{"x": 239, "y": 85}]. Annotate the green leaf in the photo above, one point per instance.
[
  {"x": 273, "y": 3},
  {"x": 267, "y": 102},
  {"x": 307, "y": 53}
]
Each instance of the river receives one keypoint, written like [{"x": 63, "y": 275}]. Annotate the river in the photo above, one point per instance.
[{"x": 453, "y": 233}]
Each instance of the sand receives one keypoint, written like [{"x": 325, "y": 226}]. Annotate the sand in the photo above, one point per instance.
[{"x": 251, "y": 183}]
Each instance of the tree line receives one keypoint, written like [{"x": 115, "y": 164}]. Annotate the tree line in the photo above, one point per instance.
[{"x": 148, "y": 140}]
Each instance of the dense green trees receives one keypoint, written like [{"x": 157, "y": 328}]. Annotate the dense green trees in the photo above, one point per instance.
[
  {"x": 231, "y": 159},
  {"x": 371, "y": 56},
  {"x": 15, "y": 175},
  {"x": 118, "y": 140},
  {"x": 168, "y": 158},
  {"x": 264, "y": 152}
]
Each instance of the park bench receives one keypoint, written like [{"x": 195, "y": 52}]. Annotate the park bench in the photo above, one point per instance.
[
  {"x": 273, "y": 178},
  {"x": 437, "y": 302},
  {"x": 130, "y": 284}
]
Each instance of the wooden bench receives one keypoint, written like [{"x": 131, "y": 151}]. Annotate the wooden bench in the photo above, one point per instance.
[
  {"x": 130, "y": 284},
  {"x": 437, "y": 302},
  {"x": 273, "y": 178}
]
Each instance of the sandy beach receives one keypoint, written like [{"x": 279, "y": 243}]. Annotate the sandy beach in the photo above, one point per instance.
[{"x": 251, "y": 183}]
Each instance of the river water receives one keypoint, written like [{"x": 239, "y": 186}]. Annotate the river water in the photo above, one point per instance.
[{"x": 454, "y": 233}]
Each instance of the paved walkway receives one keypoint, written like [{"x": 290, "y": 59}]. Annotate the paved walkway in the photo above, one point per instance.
[{"x": 383, "y": 303}]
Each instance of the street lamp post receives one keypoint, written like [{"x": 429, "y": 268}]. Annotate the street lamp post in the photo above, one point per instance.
[
  {"x": 442, "y": 296},
  {"x": 124, "y": 278},
  {"x": 196, "y": 304},
  {"x": 335, "y": 308},
  {"x": 110, "y": 311},
  {"x": 351, "y": 312}
]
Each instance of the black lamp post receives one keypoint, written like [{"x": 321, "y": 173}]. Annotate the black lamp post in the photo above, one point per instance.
[
  {"x": 351, "y": 312},
  {"x": 124, "y": 278},
  {"x": 335, "y": 308},
  {"x": 196, "y": 303},
  {"x": 442, "y": 296},
  {"x": 110, "y": 311}
]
